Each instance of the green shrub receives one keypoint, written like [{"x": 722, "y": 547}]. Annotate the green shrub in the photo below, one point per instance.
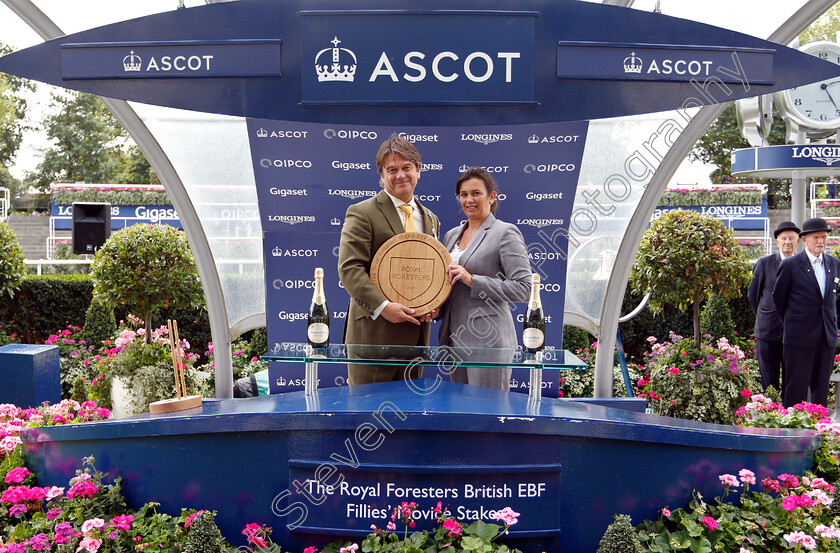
[
  {"x": 716, "y": 319},
  {"x": 12, "y": 268},
  {"x": 620, "y": 537},
  {"x": 204, "y": 535},
  {"x": 146, "y": 268},
  {"x": 100, "y": 324},
  {"x": 45, "y": 303}
]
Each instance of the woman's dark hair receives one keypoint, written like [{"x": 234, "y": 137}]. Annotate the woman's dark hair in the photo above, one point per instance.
[{"x": 483, "y": 176}]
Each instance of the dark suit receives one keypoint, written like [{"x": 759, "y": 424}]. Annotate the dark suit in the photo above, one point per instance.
[
  {"x": 768, "y": 325},
  {"x": 368, "y": 225},
  {"x": 810, "y": 326}
]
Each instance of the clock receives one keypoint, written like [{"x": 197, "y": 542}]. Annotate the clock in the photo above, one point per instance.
[{"x": 815, "y": 106}]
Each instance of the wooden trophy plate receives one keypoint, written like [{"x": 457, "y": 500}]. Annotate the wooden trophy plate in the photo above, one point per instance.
[
  {"x": 410, "y": 269},
  {"x": 174, "y": 404}
]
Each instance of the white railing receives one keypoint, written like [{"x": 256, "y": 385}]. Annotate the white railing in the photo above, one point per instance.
[
  {"x": 4, "y": 203},
  {"x": 817, "y": 202},
  {"x": 40, "y": 263}
]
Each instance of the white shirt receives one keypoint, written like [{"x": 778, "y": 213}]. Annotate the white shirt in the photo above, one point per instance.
[{"x": 820, "y": 277}]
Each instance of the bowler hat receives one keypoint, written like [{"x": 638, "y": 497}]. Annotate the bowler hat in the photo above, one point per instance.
[
  {"x": 783, "y": 226},
  {"x": 817, "y": 224}
]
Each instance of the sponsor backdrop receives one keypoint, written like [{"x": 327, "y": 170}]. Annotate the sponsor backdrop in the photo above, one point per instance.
[
  {"x": 308, "y": 174},
  {"x": 121, "y": 215},
  {"x": 813, "y": 160},
  {"x": 738, "y": 217}
]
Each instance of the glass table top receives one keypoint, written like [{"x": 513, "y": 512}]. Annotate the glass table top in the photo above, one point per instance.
[{"x": 363, "y": 354}]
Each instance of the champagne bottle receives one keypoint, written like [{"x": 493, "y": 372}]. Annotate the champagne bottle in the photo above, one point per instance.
[
  {"x": 533, "y": 333},
  {"x": 318, "y": 319}
]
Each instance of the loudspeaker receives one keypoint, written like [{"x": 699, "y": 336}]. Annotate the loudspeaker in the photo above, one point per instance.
[{"x": 91, "y": 226}]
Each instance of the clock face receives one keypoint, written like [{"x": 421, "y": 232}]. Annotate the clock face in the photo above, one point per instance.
[{"x": 817, "y": 105}]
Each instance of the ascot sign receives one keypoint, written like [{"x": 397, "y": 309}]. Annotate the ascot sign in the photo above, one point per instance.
[
  {"x": 534, "y": 61},
  {"x": 437, "y": 58}
]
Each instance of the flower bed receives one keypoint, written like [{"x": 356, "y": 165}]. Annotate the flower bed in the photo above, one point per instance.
[
  {"x": 686, "y": 197},
  {"x": 706, "y": 385},
  {"x": 753, "y": 249},
  {"x": 66, "y": 194}
]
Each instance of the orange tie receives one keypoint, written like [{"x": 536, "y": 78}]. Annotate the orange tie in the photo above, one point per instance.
[{"x": 409, "y": 220}]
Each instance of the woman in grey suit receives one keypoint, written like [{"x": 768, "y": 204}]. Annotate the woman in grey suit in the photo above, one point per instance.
[{"x": 489, "y": 268}]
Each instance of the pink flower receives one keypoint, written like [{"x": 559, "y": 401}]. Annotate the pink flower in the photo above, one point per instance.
[
  {"x": 666, "y": 512},
  {"x": 54, "y": 492},
  {"x": 729, "y": 480},
  {"x": 788, "y": 480},
  {"x": 453, "y": 527},
  {"x": 789, "y": 503},
  {"x": 89, "y": 544},
  {"x": 122, "y": 522},
  {"x": 310, "y": 550},
  {"x": 92, "y": 524},
  {"x": 746, "y": 393},
  {"x": 17, "y": 475},
  {"x": 674, "y": 370},
  {"x": 709, "y": 523},
  {"x": 391, "y": 526},
  {"x": 349, "y": 549},
  {"x": 85, "y": 488},
  {"x": 801, "y": 537},
  {"x": 53, "y": 513},
  {"x": 507, "y": 515},
  {"x": 747, "y": 476}
]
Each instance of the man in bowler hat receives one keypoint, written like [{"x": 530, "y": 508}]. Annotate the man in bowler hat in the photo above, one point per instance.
[
  {"x": 805, "y": 296},
  {"x": 768, "y": 325}
]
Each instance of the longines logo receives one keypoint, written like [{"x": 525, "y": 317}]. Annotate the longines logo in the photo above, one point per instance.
[
  {"x": 350, "y": 135},
  {"x": 262, "y": 133},
  {"x": 286, "y": 163},
  {"x": 534, "y": 139},
  {"x": 432, "y": 167},
  {"x": 485, "y": 138},
  {"x": 539, "y": 223},
  {"x": 338, "y": 65},
  {"x": 352, "y": 194},
  {"x": 291, "y": 219},
  {"x": 489, "y": 168},
  {"x": 827, "y": 154},
  {"x": 549, "y": 167}
]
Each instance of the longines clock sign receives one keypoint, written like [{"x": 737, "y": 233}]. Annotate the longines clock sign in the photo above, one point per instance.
[{"x": 398, "y": 63}]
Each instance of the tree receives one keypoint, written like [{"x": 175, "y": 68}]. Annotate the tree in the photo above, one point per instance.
[
  {"x": 12, "y": 112},
  {"x": 147, "y": 268},
  {"x": 686, "y": 256},
  {"x": 89, "y": 145},
  {"x": 12, "y": 267},
  {"x": 824, "y": 28}
]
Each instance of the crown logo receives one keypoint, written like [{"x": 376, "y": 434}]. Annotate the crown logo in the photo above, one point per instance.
[
  {"x": 463, "y": 168},
  {"x": 281, "y": 381},
  {"x": 335, "y": 221},
  {"x": 533, "y": 139},
  {"x": 132, "y": 62},
  {"x": 632, "y": 64},
  {"x": 262, "y": 133},
  {"x": 341, "y": 67},
  {"x": 277, "y": 252}
]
